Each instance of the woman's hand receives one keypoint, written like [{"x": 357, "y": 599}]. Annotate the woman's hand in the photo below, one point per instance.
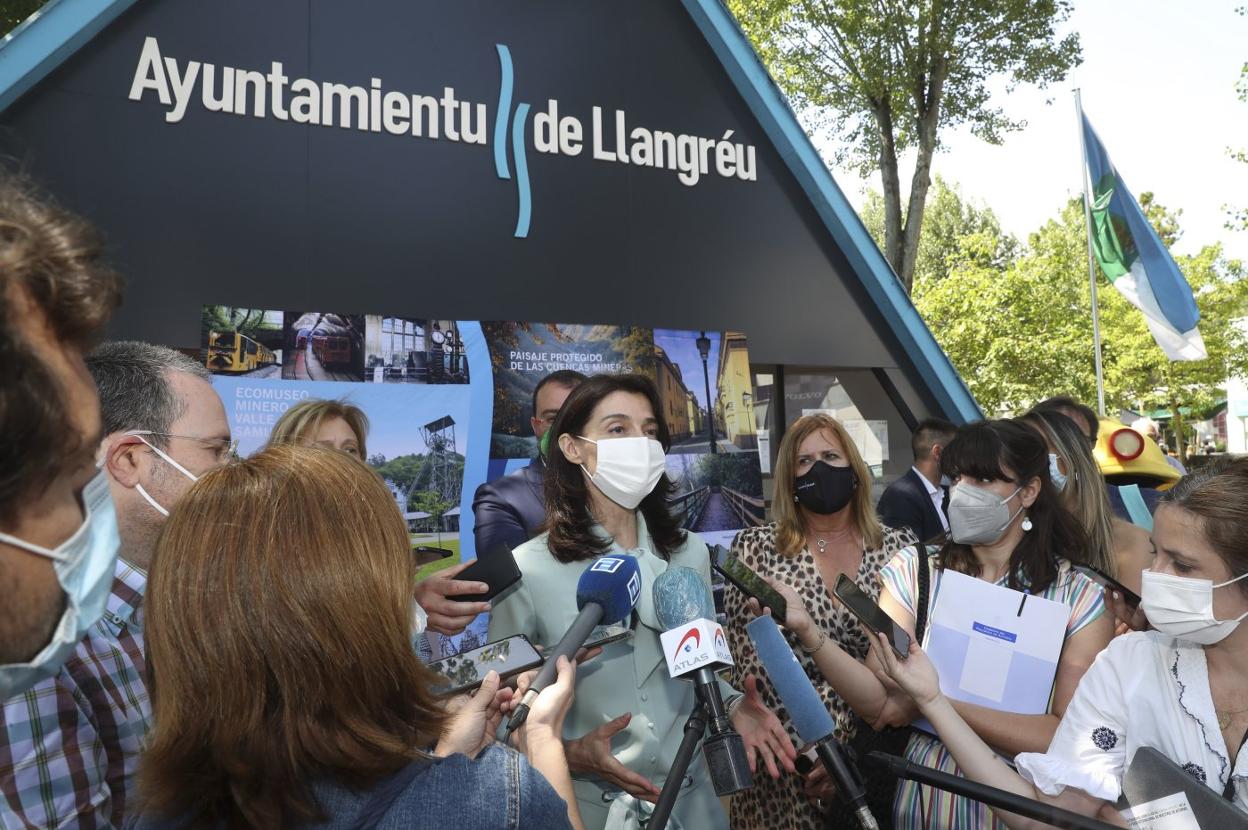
[
  {"x": 474, "y": 718},
  {"x": 915, "y": 675},
  {"x": 591, "y": 753},
  {"x": 1130, "y": 618},
  {"x": 552, "y": 703},
  {"x": 762, "y": 732},
  {"x": 796, "y": 618}
]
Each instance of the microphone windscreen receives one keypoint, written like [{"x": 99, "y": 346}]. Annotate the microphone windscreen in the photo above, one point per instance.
[
  {"x": 807, "y": 712},
  {"x": 614, "y": 582},
  {"x": 681, "y": 596}
]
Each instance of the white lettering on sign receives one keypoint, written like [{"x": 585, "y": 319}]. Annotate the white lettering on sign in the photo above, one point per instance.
[{"x": 372, "y": 108}]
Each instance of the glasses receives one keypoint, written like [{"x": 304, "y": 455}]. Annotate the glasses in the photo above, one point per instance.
[{"x": 225, "y": 448}]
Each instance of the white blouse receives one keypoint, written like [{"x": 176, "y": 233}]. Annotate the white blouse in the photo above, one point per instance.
[{"x": 1144, "y": 689}]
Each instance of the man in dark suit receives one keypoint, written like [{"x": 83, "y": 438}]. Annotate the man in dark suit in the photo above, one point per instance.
[
  {"x": 917, "y": 499},
  {"x": 509, "y": 510}
]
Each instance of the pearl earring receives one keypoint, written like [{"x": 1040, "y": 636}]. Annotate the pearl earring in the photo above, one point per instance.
[{"x": 1026, "y": 523}]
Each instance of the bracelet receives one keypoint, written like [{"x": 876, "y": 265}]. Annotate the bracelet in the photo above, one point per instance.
[
  {"x": 823, "y": 638},
  {"x": 732, "y": 703}
]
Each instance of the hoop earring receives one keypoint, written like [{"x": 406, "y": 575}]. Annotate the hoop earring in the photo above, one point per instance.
[{"x": 1026, "y": 524}]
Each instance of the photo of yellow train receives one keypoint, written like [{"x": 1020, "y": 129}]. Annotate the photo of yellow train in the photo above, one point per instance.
[{"x": 230, "y": 351}]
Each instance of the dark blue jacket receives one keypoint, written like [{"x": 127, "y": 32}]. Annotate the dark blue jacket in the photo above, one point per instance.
[
  {"x": 906, "y": 504},
  {"x": 509, "y": 510}
]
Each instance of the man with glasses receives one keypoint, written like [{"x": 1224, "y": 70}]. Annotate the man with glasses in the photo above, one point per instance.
[{"x": 69, "y": 746}]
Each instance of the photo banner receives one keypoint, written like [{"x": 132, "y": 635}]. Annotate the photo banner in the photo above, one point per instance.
[{"x": 449, "y": 405}]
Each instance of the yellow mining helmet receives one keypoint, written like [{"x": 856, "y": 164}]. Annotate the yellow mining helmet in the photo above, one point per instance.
[{"x": 1126, "y": 456}]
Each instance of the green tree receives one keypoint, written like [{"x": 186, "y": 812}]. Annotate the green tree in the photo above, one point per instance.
[
  {"x": 1237, "y": 218},
  {"x": 427, "y": 501},
  {"x": 1023, "y": 333},
  {"x": 887, "y": 76},
  {"x": 949, "y": 219},
  {"x": 13, "y": 12}
]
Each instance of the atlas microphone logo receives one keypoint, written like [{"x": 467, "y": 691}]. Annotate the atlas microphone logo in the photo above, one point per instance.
[{"x": 719, "y": 638}]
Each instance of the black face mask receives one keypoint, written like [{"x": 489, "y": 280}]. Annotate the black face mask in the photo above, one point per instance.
[{"x": 825, "y": 489}]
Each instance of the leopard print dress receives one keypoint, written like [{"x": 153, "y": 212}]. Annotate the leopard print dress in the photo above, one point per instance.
[{"x": 782, "y": 804}]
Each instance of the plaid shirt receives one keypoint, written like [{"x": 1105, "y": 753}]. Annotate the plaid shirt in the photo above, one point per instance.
[{"x": 69, "y": 746}]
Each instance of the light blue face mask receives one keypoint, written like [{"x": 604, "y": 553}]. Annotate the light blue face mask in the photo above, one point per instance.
[
  {"x": 84, "y": 565},
  {"x": 1059, "y": 478}
]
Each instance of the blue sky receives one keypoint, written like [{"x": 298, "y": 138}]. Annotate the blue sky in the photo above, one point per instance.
[
  {"x": 1158, "y": 82},
  {"x": 682, "y": 349}
]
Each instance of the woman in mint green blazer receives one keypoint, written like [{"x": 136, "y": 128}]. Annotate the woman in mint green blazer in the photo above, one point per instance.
[{"x": 606, "y": 492}]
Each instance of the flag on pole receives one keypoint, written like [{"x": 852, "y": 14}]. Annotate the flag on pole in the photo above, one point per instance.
[{"x": 1135, "y": 260}]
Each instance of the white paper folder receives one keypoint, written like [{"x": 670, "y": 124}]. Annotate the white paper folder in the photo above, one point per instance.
[{"x": 994, "y": 646}]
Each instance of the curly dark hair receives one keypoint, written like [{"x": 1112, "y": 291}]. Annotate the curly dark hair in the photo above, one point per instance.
[
  {"x": 986, "y": 450},
  {"x": 50, "y": 268},
  {"x": 570, "y": 525}
]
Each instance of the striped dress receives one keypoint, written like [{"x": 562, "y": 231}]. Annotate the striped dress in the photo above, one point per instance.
[{"x": 919, "y": 807}]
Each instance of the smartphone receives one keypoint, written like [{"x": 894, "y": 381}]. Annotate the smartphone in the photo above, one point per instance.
[
  {"x": 464, "y": 672},
  {"x": 497, "y": 569},
  {"x": 606, "y": 634},
  {"x": 425, "y": 554},
  {"x": 871, "y": 615},
  {"x": 748, "y": 582},
  {"x": 1106, "y": 581}
]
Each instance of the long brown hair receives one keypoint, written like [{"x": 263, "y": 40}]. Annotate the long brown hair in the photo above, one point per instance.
[
  {"x": 790, "y": 529},
  {"x": 279, "y": 622},
  {"x": 1084, "y": 495},
  {"x": 571, "y": 535}
]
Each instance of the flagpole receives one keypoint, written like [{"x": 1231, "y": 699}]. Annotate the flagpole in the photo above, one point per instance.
[{"x": 1087, "y": 217}]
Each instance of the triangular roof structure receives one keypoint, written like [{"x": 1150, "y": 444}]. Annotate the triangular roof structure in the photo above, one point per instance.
[{"x": 49, "y": 39}]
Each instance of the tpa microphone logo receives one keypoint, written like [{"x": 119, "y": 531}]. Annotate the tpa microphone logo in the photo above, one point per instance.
[
  {"x": 634, "y": 588},
  {"x": 690, "y": 641}
]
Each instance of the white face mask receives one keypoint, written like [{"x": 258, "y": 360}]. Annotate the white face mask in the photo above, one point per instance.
[
  {"x": 1182, "y": 607},
  {"x": 420, "y": 619},
  {"x": 1056, "y": 474},
  {"x": 167, "y": 459},
  {"x": 628, "y": 468},
  {"x": 84, "y": 565}
]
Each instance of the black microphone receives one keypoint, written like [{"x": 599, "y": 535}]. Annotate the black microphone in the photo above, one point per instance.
[
  {"x": 606, "y": 593},
  {"x": 694, "y": 646},
  {"x": 808, "y": 714}
]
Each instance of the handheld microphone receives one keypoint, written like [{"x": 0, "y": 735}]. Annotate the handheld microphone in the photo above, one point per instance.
[
  {"x": 808, "y": 714},
  {"x": 694, "y": 646},
  {"x": 606, "y": 593}
]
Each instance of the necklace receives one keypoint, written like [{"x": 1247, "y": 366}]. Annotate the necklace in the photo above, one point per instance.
[{"x": 822, "y": 544}]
